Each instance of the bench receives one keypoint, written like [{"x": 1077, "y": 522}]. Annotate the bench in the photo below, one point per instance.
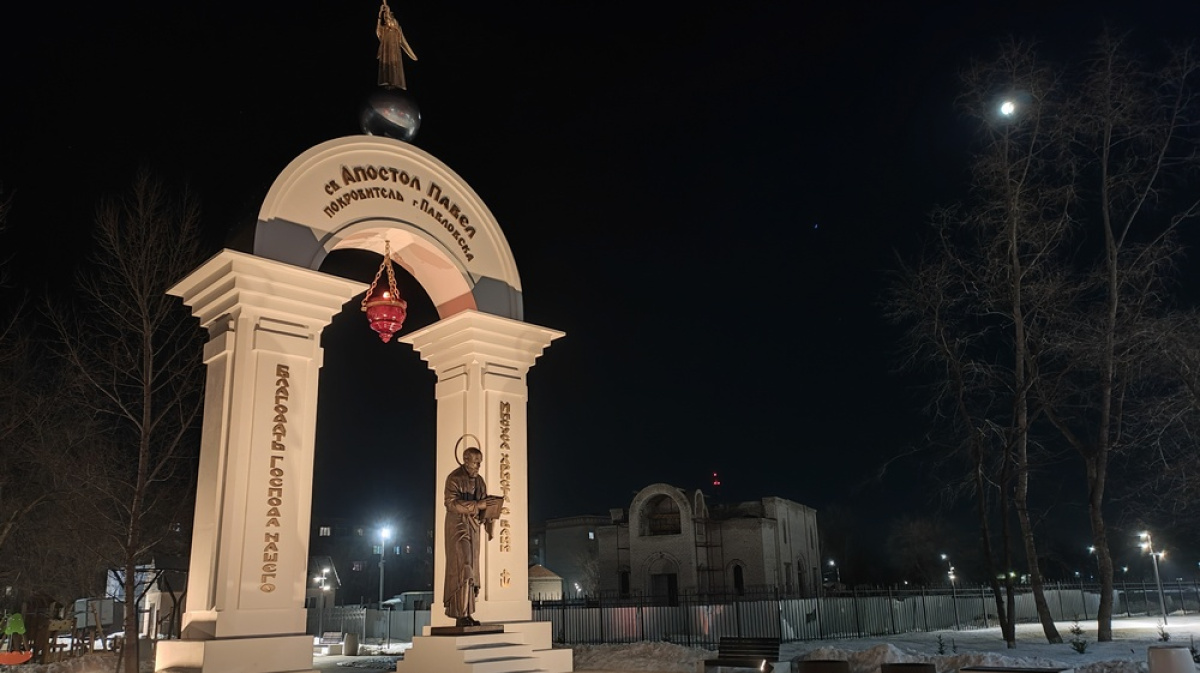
[
  {"x": 756, "y": 653},
  {"x": 330, "y": 642}
]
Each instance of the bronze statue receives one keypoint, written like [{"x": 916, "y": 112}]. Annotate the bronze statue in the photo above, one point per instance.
[
  {"x": 468, "y": 507},
  {"x": 391, "y": 43}
]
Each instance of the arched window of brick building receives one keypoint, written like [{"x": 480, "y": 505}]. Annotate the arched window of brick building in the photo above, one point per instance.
[{"x": 660, "y": 516}]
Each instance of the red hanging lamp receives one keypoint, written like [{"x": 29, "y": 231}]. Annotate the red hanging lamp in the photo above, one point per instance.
[{"x": 384, "y": 308}]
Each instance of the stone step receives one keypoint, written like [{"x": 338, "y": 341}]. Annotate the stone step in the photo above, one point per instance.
[
  {"x": 461, "y": 642},
  {"x": 509, "y": 665},
  {"x": 476, "y": 653}
]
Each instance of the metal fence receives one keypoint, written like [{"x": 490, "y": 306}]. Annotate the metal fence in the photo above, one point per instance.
[
  {"x": 382, "y": 626},
  {"x": 703, "y": 620}
]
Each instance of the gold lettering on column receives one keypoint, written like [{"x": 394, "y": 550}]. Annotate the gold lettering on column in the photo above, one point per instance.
[
  {"x": 274, "y": 500},
  {"x": 505, "y": 474}
]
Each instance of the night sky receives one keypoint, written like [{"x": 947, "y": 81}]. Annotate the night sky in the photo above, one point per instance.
[{"x": 707, "y": 202}]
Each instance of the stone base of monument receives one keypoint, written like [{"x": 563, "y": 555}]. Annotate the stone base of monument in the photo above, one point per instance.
[
  {"x": 465, "y": 630},
  {"x": 277, "y": 654},
  {"x": 520, "y": 646}
]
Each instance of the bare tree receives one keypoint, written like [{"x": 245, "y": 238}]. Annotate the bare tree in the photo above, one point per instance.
[
  {"x": 134, "y": 353},
  {"x": 28, "y": 413},
  {"x": 587, "y": 565},
  {"x": 1055, "y": 275},
  {"x": 980, "y": 302},
  {"x": 1103, "y": 386},
  {"x": 916, "y": 546},
  {"x": 1169, "y": 467}
]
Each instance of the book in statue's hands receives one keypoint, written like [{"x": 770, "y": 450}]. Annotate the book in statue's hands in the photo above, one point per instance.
[{"x": 489, "y": 507}]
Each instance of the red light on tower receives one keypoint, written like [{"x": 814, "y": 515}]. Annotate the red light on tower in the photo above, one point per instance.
[{"x": 716, "y": 480}]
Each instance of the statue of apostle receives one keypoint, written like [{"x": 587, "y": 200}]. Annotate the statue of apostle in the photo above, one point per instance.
[
  {"x": 391, "y": 44},
  {"x": 468, "y": 507}
]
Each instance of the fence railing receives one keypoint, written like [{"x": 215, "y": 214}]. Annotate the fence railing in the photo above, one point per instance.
[
  {"x": 371, "y": 625},
  {"x": 702, "y": 620}
]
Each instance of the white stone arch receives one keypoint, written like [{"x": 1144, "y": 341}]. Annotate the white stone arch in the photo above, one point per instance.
[
  {"x": 264, "y": 314},
  {"x": 356, "y": 191}
]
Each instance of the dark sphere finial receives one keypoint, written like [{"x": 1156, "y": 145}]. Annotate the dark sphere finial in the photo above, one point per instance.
[{"x": 391, "y": 112}]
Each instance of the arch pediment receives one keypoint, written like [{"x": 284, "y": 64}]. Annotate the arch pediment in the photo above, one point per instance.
[{"x": 360, "y": 191}]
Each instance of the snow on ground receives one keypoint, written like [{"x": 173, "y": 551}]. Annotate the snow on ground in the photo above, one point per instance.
[
  {"x": 645, "y": 656},
  {"x": 1127, "y": 653},
  {"x": 974, "y": 647}
]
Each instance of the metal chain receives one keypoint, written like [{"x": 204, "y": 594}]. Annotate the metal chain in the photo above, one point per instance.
[{"x": 386, "y": 263}]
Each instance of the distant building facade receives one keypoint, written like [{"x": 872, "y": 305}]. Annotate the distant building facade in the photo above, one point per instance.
[
  {"x": 353, "y": 551},
  {"x": 670, "y": 542},
  {"x": 544, "y": 585},
  {"x": 322, "y": 590},
  {"x": 571, "y": 550}
]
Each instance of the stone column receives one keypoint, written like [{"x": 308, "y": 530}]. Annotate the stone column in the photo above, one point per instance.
[
  {"x": 249, "y": 564},
  {"x": 481, "y": 361}
]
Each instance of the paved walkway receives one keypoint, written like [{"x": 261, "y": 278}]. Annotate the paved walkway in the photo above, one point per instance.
[{"x": 370, "y": 662}]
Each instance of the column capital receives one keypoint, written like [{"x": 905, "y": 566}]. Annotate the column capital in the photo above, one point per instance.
[
  {"x": 232, "y": 281},
  {"x": 471, "y": 334}
]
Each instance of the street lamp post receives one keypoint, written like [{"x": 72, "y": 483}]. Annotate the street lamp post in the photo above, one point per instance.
[
  {"x": 1125, "y": 588},
  {"x": 837, "y": 572},
  {"x": 384, "y": 534},
  {"x": 321, "y": 581},
  {"x": 1148, "y": 545},
  {"x": 953, "y": 591}
]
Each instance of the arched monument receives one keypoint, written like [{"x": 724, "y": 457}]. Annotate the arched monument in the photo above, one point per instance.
[{"x": 264, "y": 313}]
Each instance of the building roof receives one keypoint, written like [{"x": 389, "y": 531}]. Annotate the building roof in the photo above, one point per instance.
[{"x": 541, "y": 572}]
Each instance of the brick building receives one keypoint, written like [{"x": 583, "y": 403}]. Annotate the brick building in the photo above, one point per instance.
[{"x": 669, "y": 541}]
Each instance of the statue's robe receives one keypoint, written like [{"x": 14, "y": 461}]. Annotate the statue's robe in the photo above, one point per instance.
[{"x": 464, "y": 516}]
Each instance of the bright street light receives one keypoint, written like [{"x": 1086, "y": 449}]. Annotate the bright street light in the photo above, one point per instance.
[
  {"x": 1011, "y": 107},
  {"x": 949, "y": 569},
  {"x": 837, "y": 572},
  {"x": 953, "y": 589},
  {"x": 1148, "y": 545}
]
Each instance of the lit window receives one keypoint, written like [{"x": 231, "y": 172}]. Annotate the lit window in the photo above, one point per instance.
[
  {"x": 325, "y": 531},
  {"x": 396, "y": 549},
  {"x": 358, "y": 532},
  {"x": 408, "y": 549},
  {"x": 591, "y": 535},
  {"x": 357, "y": 565}
]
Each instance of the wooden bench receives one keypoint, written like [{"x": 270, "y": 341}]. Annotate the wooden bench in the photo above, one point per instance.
[
  {"x": 756, "y": 653},
  {"x": 331, "y": 642}
]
